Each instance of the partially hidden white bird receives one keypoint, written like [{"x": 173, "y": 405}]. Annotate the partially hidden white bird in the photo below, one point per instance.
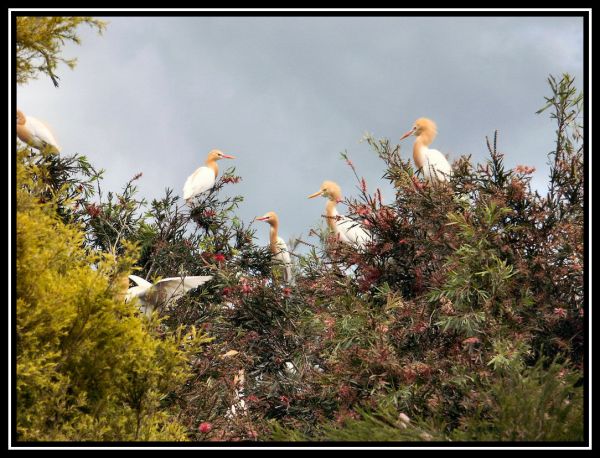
[
  {"x": 204, "y": 177},
  {"x": 35, "y": 133},
  {"x": 347, "y": 230},
  {"x": 162, "y": 293},
  {"x": 278, "y": 246},
  {"x": 433, "y": 163}
]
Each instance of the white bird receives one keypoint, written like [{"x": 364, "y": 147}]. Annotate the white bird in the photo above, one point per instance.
[
  {"x": 204, "y": 177},
  {"x": 163, "y": 292},
  {"x": 35, "y": 133},
  {"x": 278, "y": 246},
  {"x": 433, "y": 163},
  {"x": 347, "y": 230}
]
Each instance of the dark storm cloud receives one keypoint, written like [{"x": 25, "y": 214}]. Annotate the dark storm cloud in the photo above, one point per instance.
[{"x": 286, "y": 95}]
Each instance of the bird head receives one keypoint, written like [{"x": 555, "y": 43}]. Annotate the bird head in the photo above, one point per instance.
[
  {"x": 269, "y": 217},
  {"x": 329, "y": 190},
  {"x": 422, "y": 126},
  {"x": 20, "y": 117},
  {"x": 216, "y": 155}
]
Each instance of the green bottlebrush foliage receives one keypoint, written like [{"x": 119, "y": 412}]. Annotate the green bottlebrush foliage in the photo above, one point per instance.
[{"x": 534, "y": 404}]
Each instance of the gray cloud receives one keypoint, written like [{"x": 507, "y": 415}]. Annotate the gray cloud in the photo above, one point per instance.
[{"x": 286, "y": 95}]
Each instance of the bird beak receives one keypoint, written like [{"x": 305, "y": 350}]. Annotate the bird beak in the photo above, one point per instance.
[
  {"x": 408, "y": 134},
  {"x": 226, "y": 156},
  {"x": 318, "y": 193}
]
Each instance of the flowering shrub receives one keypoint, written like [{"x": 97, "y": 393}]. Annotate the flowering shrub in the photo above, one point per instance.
[{"x": 436, "y": 330}]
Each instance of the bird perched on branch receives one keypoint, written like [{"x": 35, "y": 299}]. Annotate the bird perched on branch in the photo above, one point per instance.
[
  {"x": 35, "y": 133},
  {"x": 164, "y": 292},
  {"x": 434, "y": 164},
  {"x": 278, "y": 246},
  {"x": 347, "y": 230},
  {"x": 204, "y": 177}
]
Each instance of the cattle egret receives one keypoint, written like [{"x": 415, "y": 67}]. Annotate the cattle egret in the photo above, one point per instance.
[
  {"x": 433, "y": 163},
  {"x": 278, "y": 247},
  {"x": 35, "y": 133},
  {"x": 347, "y": 230},
  {"x": 204, "y": 177},
  {"x": 162, "y": 293}
]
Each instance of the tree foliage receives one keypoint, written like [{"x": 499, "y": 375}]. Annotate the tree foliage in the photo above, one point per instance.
[
  {"x": 88, "y": 368},
  {"x": 40, "y": 40}
]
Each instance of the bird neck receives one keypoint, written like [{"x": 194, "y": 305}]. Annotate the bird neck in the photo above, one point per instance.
[
  {"x": 331, "y": 213},
  {"x": 273, "y": 236},
  {"x": 23, "y": 133},
  {"x": 419, "y": 152},
  {"x": 212, "y": 164}
]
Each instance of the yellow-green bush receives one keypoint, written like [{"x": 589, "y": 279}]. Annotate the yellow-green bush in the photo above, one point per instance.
[{"x": 88, "y": 368}]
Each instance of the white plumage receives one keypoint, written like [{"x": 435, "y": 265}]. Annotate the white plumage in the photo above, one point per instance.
[
  {"x": 434, "y": 164},
  {"x": 162, "y": 293},
  {"x": 35, "y": 133},
  {"x": 283, "y": 256},
  {"x": 204, "y": 178},
  {"x": 347, "y": 230},
  {"x": 198, "y": 182},
  {"x": 279, "y": 249},
  {"x": 350, "y": 231}
]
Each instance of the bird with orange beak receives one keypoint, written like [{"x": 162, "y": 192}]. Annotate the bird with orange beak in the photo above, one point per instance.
[
  {"x": 277, "y": 245},
  {"x": 346, "y": 229},
  {"x": 434, "y": 164},
  {"x": 204, "y": 178}
]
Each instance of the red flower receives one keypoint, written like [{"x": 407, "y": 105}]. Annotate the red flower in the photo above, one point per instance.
[
  {"x": 219, "y": 257},
  {"x": 560, "y": 312},
  {"x": 205, "y": 427},
  {"x": 363, "y": 185},
  {"x": 93, "y": 210},
  {"x": 345, "y": 391},
  {"x": 231, "y": 179},
  {"x": 524, "y": 169},
  {"x": 362, "y": 210},
  {"x": 471, "y": 340},
  {"x": 246, "y": 288}
]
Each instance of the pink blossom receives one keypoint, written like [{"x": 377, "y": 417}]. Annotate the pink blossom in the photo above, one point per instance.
[
  {"x": 471, "y": 340},
  {"x": 246, "y": 288},
  {"x": 363, "y": 185},
  {"x": 560, "y": 312},
  {"x": 205, "y": 427}
]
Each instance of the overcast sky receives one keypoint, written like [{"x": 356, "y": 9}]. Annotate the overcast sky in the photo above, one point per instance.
[{"x": 287, "y": 94}]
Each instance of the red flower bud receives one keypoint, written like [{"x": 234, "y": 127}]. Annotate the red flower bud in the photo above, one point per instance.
[{"x": 205, "y": 427}]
